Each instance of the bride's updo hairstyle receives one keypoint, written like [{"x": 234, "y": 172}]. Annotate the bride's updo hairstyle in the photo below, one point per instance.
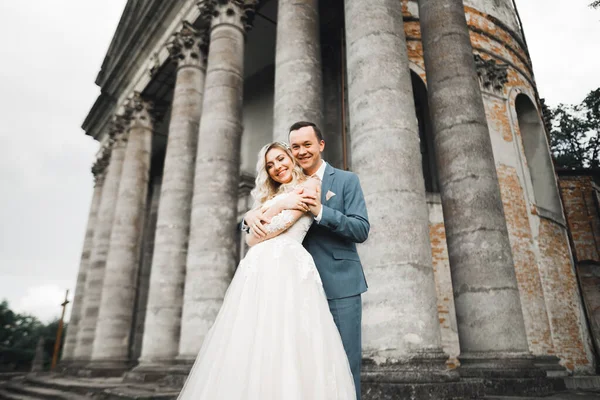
[{"x": 265, "y": 187}]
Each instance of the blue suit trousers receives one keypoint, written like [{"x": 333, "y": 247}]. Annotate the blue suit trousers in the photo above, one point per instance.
[{"x": 347, "y": 314}]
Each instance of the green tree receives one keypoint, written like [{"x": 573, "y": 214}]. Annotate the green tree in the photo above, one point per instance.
[
  {"x": 19, "y": 334},
  {"x": 574, "y": 133}
]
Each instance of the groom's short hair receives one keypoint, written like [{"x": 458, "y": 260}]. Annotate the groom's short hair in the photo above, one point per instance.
[{"x": 302, "y": 124}]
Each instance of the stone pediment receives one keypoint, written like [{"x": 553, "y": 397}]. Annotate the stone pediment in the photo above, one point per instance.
[
  {"x": 139, "y": 27},
  {"x": 136, "y": 28},
  {"x": 142, "y": 25}
]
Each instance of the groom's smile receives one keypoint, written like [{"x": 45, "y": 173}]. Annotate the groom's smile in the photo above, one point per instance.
[{"x": 307, "y": 148}]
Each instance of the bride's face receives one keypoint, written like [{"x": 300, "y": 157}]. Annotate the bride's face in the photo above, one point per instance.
[{"x": 279, "y": 165}]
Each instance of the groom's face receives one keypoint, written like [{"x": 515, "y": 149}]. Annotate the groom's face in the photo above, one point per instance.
[{"x": 307, "y": 148}]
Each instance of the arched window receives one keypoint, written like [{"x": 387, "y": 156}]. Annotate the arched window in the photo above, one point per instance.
[
  {"x": 538, "y": 158},
  {"x": 425, "y": 134}
]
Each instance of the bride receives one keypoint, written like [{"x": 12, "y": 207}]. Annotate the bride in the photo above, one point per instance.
[{"x": 274, "y": 337}]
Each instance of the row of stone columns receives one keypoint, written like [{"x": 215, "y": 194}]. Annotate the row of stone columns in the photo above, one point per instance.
[
  {"x": 165, "y": 299},
  {"x": 200, "y": 186},
  {"x": 99, "y": 172},
  {"x": 401, "y": 321},
  {"x": 491, "y": 327},
  {"x": 102, "y": 231},
  {"x": 400, "y": 317},
  {"x": 112, "y": 337},
  {"x": 199, "y": 191},
  {"x": 103, "y": 306}
]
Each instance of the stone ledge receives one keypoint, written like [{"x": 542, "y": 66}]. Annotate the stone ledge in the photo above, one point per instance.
[
  {"x": 507, "y": 374},
  {"x": 583, "y": 382},
  {"x": 423, "y": 391}
]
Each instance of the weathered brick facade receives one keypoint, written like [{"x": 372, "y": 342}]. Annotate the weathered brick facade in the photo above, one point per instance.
[
  {"x": 550, "y": 297},
  {"x": 580, "y": 192}
]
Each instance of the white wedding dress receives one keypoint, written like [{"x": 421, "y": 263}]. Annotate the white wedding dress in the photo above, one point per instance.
[{"x": 274, "y": 337}]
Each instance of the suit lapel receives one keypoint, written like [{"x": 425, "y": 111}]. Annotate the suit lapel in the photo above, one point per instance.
[{"x": 327, "y": 183}]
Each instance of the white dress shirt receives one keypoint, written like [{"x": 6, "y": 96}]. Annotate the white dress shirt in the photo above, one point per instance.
[{"x": 320, "y": 173}]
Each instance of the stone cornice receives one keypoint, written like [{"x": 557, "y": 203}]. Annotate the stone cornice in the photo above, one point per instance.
[
  {"x": 138, "y": 26},
  {"x": 138, "y": 47},
  {"x": 129, "y": 60}
]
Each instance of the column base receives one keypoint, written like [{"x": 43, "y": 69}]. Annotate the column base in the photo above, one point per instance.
[
  {"x": 149, "y": 372},
  {"x": 421, "y": 377},
  {"x": 72, "y": 367},
  {"x": 550, "y": 364},
  {"x": 555, "y": 372},
  {"x": 105, "y": 368},
  {"x": 176, "y": 375},
  {"x": 506, "y": 374}
]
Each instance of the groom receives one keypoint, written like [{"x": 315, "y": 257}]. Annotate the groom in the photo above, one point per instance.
[{"x": 341, "y": 221}]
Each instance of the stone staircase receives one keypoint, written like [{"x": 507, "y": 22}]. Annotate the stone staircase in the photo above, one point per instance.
[
  {"x": 58, "y": 387},
  {"x": 61, "y": 387}
]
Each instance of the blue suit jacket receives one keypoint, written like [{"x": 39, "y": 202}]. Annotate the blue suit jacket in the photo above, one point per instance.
[{"x": 332, "y": 241}]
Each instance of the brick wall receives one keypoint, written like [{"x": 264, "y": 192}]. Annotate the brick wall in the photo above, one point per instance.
[
  {"x": 550, "y": 297},
  {"x": 580, "y": 194},
  {"x": 580, "y": 200}
]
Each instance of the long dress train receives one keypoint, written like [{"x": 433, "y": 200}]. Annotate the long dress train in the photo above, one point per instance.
[{"x": 274, "y": 337}]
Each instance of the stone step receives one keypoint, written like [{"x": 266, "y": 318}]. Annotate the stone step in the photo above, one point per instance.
[
  {"x": 7, "y": 376},
  {"x": 8, "y": 395},
  {"x": 570, "y": 395},
  {"x": 82, "y": 387},
  {"x": 140, "y": 393},
  {"x": 98, "y": 388},
  {"x": 583, "y": 382},
  {"x": 44, "y": 392}
]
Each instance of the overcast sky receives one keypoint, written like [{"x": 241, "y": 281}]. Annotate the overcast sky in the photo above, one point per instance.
[{"x": 47, "y": 88}]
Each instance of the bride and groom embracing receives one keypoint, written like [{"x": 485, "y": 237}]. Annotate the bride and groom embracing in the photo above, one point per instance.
[{"x": 290, "y": 324}]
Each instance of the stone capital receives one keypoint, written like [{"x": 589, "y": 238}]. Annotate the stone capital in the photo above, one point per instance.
[
  {"x": 238, "y": 13},
  {"x": 492, "y": 75},
  {"x": 138, "y": 112},
  {"x": 117, "y": 131},
  {"x": 100, "y": 166},
  {"x": 153, "y": 65},
  {"x": 189, "y": 46}
]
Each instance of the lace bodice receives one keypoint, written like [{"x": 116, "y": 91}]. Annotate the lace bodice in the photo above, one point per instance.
[{"x": 298, "y": 231}]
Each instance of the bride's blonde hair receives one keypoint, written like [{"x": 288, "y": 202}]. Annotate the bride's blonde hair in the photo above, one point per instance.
[{"x": 265, "y": 187}]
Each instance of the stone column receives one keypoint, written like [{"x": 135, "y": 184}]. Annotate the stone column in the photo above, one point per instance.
[
  {"x": 95, "y": 277},
  {"x": 99, "y": 172},
  {"x": 298, "y": 80},
  {"x": 490, "y": 321},
  {"x": 146, "y": 254},
  {"x": 165, "y": 301},
  {"x": 113, "y": 330},
  {"x": 212, "y": 245},
  {"x": 401, "y": 331}
]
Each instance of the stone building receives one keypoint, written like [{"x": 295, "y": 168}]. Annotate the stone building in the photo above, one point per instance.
[
  {"x": 468, "y": 260},
  {"x": 580, "y": 193}
]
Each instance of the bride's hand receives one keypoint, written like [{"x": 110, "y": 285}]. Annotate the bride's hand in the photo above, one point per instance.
[
  {"x": 256, "y": 220},
  {"x": 296, "y": 200}
]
